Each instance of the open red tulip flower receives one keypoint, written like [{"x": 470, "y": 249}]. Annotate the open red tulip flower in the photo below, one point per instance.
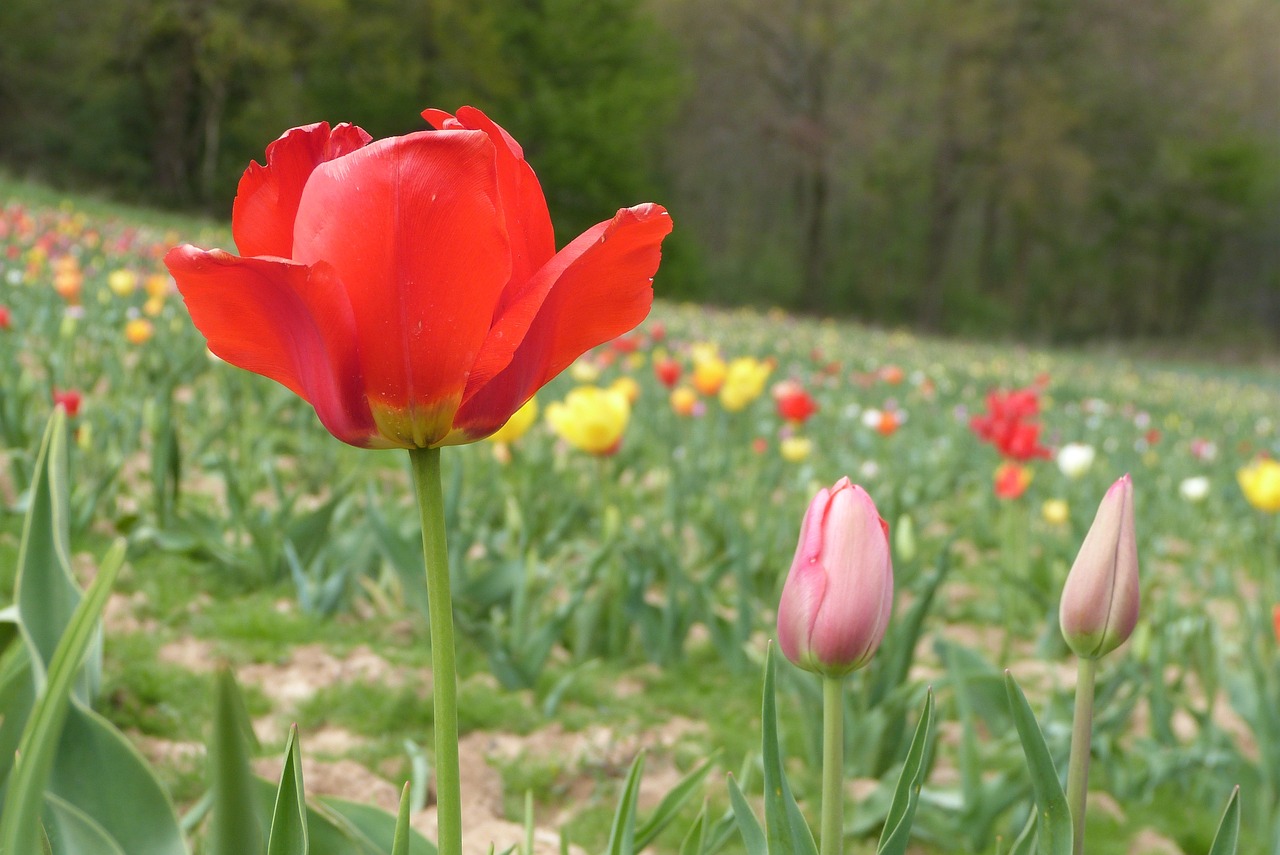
[{"x": 409, "y": 288}]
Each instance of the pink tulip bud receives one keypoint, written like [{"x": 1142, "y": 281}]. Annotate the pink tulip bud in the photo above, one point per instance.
[
  {"x": 1100, "y": 600},
  {"x": 837, "y": 598}
]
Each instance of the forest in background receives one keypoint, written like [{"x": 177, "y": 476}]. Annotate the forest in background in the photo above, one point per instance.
[{"x": 1060, "y": 170}]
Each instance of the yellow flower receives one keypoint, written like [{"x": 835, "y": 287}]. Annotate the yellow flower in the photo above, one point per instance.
[
  {"x": 138, "y": 331},
  {"x": 1055, "y": 511},
  {"x": 157, "y": 286},
  {"x": 795, "y": 448},
  {"x": 743, "y": 383},
  {"x": 708, "y": 372},
  {"x": 684, "y": 400},
  {"x": 584, "y": 371},
  {"x": 627, "y": 386},
  {"x": 518, "y": 425},
  {"x": 153, "y": 307},
  {"x": 591, "y": 419},
  {"x": 1260, "y": 481},
  {"x": 122, "y": 282}
]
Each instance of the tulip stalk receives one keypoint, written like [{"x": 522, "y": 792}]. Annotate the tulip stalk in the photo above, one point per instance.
[
  {"x": 444, "y": 670},
  {"x": 832, "y": 765},
  {"x": 1081, "y": 744}
]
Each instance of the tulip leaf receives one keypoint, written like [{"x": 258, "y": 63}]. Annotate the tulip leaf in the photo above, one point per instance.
[
  {"x": 237, "y": 827},
  {"x": 371, "y": 829},
  {"x": 400, "y": 843},
  {"x": 1054, "y": 815},
  {"x": 902, "y": 810},
  {"x": 1228, "y": 835},
  {"x": 41, "y": 736},
  {"x": 748, "y": 825},
  {"x": 71, "y": 831},
  {"x": 100, "y": 772},
  {"x": 785, "y": 826},
  {"x": 695, "y": 839},
  {"x": 670, "y": 805},
  {"x": 289, "y": 820},
  {"x": 622, "y": 835}
]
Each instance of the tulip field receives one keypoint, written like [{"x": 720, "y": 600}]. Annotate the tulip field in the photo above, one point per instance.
[{"x": 617, "y": 554}]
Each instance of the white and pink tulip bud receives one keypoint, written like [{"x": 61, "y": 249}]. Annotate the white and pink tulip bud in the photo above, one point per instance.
[
  {"x": 1100, "y": 600},
  {"x": 838, "y": 595}
]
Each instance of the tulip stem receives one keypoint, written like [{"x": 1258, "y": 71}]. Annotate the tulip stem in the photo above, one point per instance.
[
  {"x": 444, "y": 670},
  {"x": 1081, "y": 738},
  {"x": 832, "y": 765}
]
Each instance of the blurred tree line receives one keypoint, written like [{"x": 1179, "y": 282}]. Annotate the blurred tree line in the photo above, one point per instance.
[{"x": 1058, "y": 169}]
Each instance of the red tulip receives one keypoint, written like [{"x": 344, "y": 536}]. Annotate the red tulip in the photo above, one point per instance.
[
  {"x": 6, "y": 319},
  {"x": 794, "y": 403},
  {"x": 668, "y": 371},
  {"x": 409, "y": 288},
  {"x": 69, "y": 400}
]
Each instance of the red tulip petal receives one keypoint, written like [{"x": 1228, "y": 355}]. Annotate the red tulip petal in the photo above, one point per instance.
[
  {"x": 593, "y": 290},
  {"x": 533, "y": 240},
  {"x": 282, "y": 320},
  {"x": 413, "y": 227},
  {"x": 267, "y": 198}
]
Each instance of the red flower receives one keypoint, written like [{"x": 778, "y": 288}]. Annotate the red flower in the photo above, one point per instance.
[
  {"x": 6, "y": 319},
  {"x": 69, "y": 400},
  {"x": 794, "y": 403},
  {"x": 667, "y": 370},
  {"x": 1007, "y": 424},
  {"x": 626, "y": 343},
  {"x": 409, "y": 288},
  {"x": 1012, "y": 480}
]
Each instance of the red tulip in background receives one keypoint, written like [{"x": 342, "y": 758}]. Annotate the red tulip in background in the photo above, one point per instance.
[
  {"x": 668, "y": 371},
  {"x": 69, "y": 400},
  {"x": 1008, "y": 424},
  {"x": 409, "y": 288},
  {"x": 6, "y": 320},
  {"x": 794, "y": 403}
]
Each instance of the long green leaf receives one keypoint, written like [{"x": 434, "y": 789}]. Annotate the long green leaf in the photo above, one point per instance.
[
  {"x": 372, "y": 829},
  {"x": 622, "y": 834},
  {"x": 748, "y": 825},
  {"x": 695, "y": 839},
  {"x": 670, "y": 805},
  {"x": 1055, "y": 831},
  {"x": 289, "y": 820},
  {"x": 1228, "y": 835},
  {"x": 73, "y": 832},
  {"x": 785, "y": 826},
  {"x": 400, "y": 843},
  {"x": 19, "y": 825},
  {"x": 902, "y": 810},
  {"x": 237, "y": 826}
]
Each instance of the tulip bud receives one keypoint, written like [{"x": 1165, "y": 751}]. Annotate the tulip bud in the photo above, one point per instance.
[
  {"x": 1100, "y": 600},
  {"x": 838, "y": 595}
]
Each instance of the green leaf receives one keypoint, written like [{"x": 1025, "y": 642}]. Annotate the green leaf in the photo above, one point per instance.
[
  {"x": 897, "y": 825},
  {"x": 98, "y": 770},
  {"x": 237, "y": 826},
  {"x": 37, "y": 750},
  {"x": 73, "y": 832},
  {"x": 1228, "y": 835},
  {"x": 695, "y": 839},
  {"x": 622, "y": 834},
  {"x": 748, "y": 825},
  {"x": 400, "y": 843},
  {"x": 372, "y": 828},
  {"x": 289, "y": 820},
  {"x": 1055, "y": 831},
  {"x": 670, "y": 805},
  {"x": 785, "y": 826}
]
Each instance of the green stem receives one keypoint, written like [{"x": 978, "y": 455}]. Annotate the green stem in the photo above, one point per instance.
[
  {"x": 1081, "y": 736},
  {"x": 832, "y": 765},
  {"x": 444, "y": 670}
]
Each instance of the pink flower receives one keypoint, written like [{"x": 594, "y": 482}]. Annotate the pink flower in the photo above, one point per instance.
[
  {"x": 1100, "y": 599},
  {"x": 838, "y": 595}
]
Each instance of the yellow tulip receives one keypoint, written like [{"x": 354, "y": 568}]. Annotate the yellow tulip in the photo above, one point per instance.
[
  {"x": 795, "y": 448},
  {"x": 1055, "y": 511},
  {"x": 1260, "y": 481},
  {"x": 138, "y": 331},
  {"x": 157, "y": 286},
  {"x": 519, "y": 423},
  {"x": 122, "y": 282},
  {"x": 684, "y": 400},
  {"x": 744, "y": 382},
  {"x": 627, "y": 386},
  {"x": 709, "y": 374},
  {"x": 591, "y": 419}
]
